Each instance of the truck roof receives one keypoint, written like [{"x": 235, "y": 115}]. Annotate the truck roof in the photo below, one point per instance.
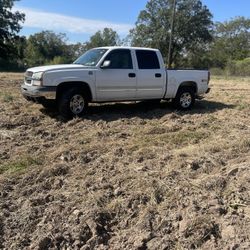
[{"x": 126, "y": 47}]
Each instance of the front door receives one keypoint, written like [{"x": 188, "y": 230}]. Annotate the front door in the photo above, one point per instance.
[{"x": 117, "y": 81}]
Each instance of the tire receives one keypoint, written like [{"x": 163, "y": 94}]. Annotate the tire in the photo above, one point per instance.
[
  {"x": 72, "y": 103},
  {"x": 48, "y": 104},
  {"x": 185, "y": 98}
]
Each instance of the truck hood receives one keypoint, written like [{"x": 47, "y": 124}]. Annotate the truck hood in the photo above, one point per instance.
[{"x": 57, "y": 67}]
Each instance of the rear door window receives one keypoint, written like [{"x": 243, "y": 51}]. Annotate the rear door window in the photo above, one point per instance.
[{"x": 147, "y": 59}]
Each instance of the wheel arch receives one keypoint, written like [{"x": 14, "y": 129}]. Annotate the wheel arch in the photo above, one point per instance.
[
  {"x": 189, "y": 84},
  {"x": 68, "y": 85}
]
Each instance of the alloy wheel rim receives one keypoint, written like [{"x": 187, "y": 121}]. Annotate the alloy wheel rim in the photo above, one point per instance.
[
  {"x": 186, "y": 100},
  {"x": 77, "y": 104}
]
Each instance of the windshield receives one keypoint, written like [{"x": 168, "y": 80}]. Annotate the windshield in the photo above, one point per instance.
[{"x": 91, "y": 57}]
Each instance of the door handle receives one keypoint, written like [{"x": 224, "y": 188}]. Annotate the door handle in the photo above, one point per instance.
[
  {"x": 158, "y": 75},
  {"x": 132, "y": 75}
]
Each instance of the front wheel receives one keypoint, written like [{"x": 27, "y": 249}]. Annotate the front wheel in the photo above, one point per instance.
[
  {"x": 185, "y": 98},
  {"x": 73, "y": 102},
  {"x": 48, "y": 104}
]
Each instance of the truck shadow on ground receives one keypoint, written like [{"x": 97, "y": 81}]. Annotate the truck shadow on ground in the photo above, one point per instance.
[{"x": 143, "y": 110}]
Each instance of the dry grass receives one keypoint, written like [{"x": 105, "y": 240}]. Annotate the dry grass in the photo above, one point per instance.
[{"x": 126, "y": 176}]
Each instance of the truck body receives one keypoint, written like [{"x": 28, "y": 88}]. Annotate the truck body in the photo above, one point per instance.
[{"x": 111, "y": 74}]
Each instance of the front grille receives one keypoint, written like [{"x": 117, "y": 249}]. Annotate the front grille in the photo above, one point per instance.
[{"x": 27, "y": 80}]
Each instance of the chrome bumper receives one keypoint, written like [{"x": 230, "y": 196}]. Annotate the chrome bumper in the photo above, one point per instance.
[{"x": 38, "y": 92}]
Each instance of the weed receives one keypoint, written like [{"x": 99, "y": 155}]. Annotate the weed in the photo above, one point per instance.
[
  {"x": 243, "y": 106},
  {"x": 183, "y": 137},
  {"x": 19, "y": 165},
  {"x": 8, "y": 98}
]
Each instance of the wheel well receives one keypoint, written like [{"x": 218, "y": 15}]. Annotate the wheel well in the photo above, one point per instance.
[
  {"x": 68, "y": 85},
  {"x": 189, "y": 84}
]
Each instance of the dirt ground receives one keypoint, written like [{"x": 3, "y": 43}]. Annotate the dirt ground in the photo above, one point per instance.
[{"x": 126, "y": 176}]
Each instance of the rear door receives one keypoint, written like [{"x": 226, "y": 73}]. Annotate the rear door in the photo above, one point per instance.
[
  {"x": 150, "y": 75},
  {"x": 118, "y": 80}
]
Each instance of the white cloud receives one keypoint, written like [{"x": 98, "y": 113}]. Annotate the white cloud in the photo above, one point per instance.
[{"x": 54, "y": 21}]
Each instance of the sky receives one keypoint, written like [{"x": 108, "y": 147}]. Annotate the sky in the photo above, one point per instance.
[{"x": 80, "y": 19}]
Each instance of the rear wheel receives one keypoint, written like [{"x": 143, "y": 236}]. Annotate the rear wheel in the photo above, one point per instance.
[
  {"x": 72, "y": 103},
  {"x": 185, "y": 98}
]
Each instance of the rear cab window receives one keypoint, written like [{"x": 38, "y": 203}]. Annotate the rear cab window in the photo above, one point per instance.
[{"x": 147, "y": 59}]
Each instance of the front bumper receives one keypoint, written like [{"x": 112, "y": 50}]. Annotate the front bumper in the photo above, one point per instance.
[{"x": 37, "y": 92}]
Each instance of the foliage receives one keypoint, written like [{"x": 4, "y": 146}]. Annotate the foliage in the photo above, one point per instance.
[
  {"x": 239, "y": 68},
  {"x": 231, "y": 41},
  {"x": 76, "y": 50},
  {"x": 197, "y": 43},
  {"x": 192, "y": 30},
  {"x": 107, "y": 37},
  {"x": 9, "y": 27},
  {"x": 44, "y": 47},
  {"x": 233, "y": 68},
  {"x": 15, "y": 59},
  {"x": 48, "y": 47},
  {"x": 217, "y": 71}
]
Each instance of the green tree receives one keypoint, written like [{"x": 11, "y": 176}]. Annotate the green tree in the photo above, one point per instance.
[
  {"x": 192, "y": 29},
  {"x": 9, "y": 27},
  {"x": 76, "y": 50},
  {"x": 107, "y": 37},
  {"x": 47, "y": 47},
  {"x": 20, "y": 43},
  {"x": 231, "y": 41}
]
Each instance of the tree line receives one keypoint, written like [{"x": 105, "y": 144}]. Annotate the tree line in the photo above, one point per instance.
[{"x": 198, "y": 42}]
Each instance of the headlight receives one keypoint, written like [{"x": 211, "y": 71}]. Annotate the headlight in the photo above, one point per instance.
[{"x": 37, "y": 78}]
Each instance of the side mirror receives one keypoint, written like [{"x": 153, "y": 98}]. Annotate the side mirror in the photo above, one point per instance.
[{"x": 105, "y": 64}]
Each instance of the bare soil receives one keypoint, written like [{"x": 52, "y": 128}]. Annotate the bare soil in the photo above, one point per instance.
[{"x": 126, "y": 176}]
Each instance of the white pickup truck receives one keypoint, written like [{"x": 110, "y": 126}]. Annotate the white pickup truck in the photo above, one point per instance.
[{"x": 111, "y": 74}]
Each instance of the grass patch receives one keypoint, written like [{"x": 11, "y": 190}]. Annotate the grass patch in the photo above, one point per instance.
[
  {"x": 19, "y": 165},
  {"x": 179, "y": 138},
  {"x": 6, "y": 97},
  {"x": 183, "y": 137},
  {"x": 243, "y": 106}
]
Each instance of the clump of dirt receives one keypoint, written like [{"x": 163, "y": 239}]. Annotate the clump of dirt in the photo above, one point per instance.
[{"x": 126, "y": 176}]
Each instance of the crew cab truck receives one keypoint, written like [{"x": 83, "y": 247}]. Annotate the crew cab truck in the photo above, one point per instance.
[{"x": 112, "y": 74}]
